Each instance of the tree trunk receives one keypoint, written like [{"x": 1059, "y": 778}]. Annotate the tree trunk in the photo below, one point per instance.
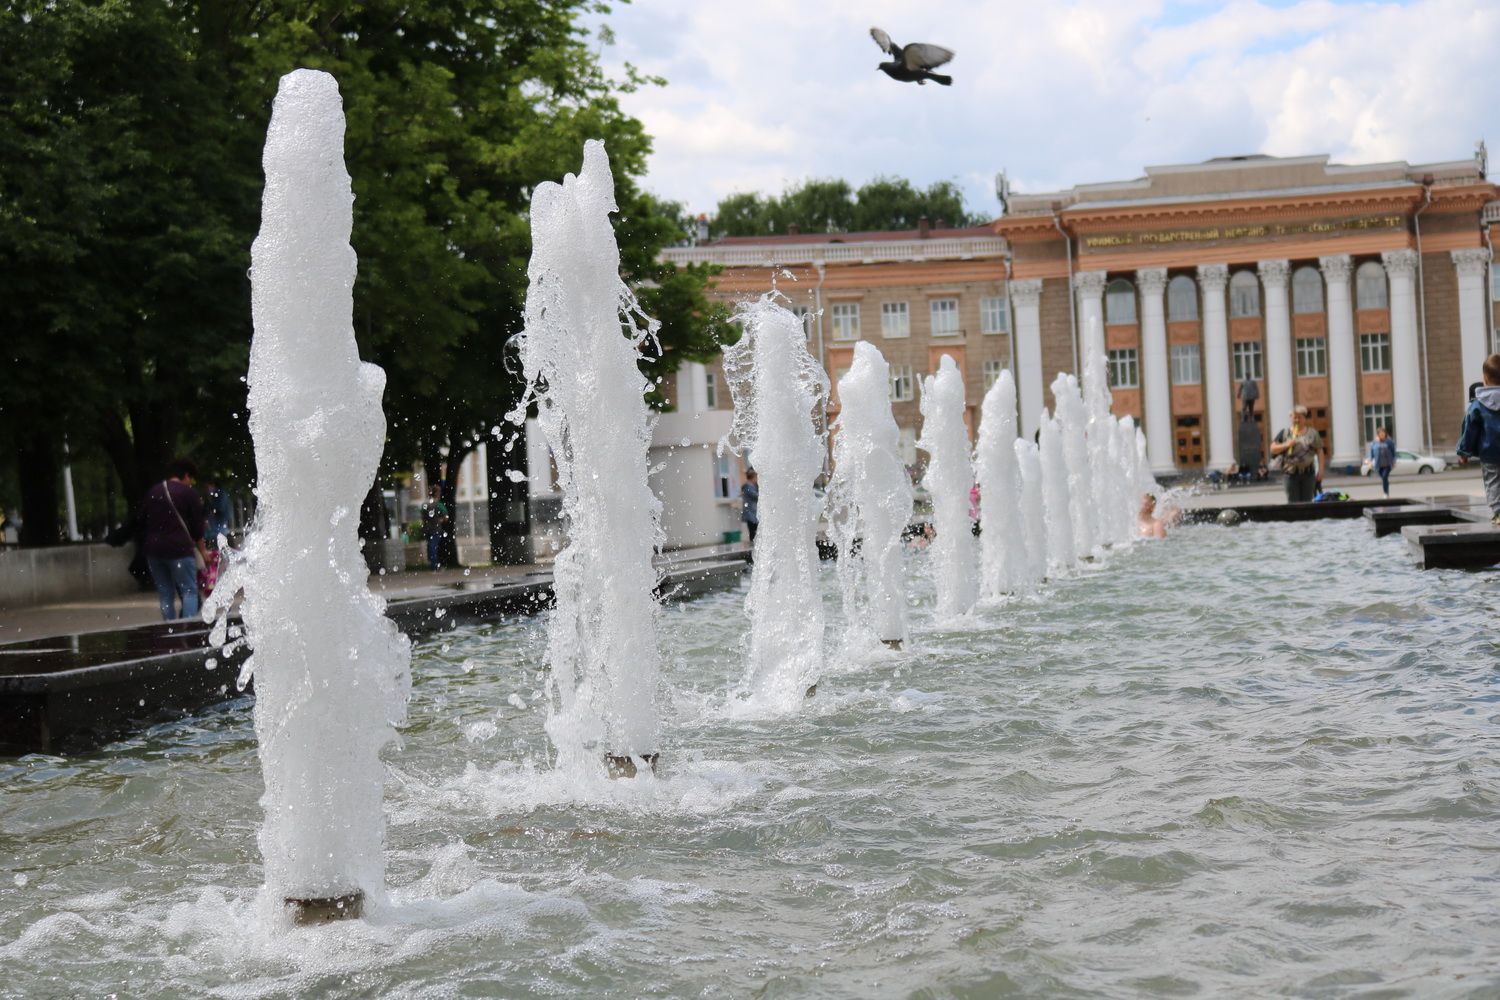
[{"x": 39, "y": 467}]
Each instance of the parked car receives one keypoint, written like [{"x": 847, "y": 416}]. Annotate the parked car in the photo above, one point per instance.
[{"x": 1408, "y": 462}]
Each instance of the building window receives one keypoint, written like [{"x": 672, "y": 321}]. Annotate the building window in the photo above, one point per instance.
[
  {"x": 944, "y": 317},
  {"x": 992, "y": 370},
  {"x": 806, "y": 315},
  {"x": 1307, "y": 290},
  {"x": 1119, "y": 302},
  {"x": 903, "y": 384},
  {"x": 1369, "y": 286},
  {"x": 1494, "y": 282},
  {"x": 1182, "y": 299},
  {"x": 1124, "y": 371},
  {"x": 846, "y": 321},
  {"x": 1244, "y": 295},
  {"x": 1247, "y": 360},
  {"x": 1312, "y": 357},
  {"x": 895, "y": 319},
  {"x": 994, "y": 315},
  {"x": 723, "y": 478},
  {"x": 711, "y": 390},
  {"x": 906, "y": 444},
  {"x": 1374, "y": 352},
  {"x": 1187, "y": 365},
  {"x": 1378, "y": 415}
]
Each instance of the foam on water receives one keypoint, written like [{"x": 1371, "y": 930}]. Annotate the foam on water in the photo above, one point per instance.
[
  {"x": 331, "y": 671},
  {"x": 871, "y": 498},
  {"x": 1002, "y": 542},
  {"x": 949, "y": 478},
  {"x": 777, "y": 388},
  {"x": 580, "y": 351}
]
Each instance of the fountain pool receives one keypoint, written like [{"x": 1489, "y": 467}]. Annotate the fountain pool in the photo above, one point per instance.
[{"x": 1186, "y": 770}]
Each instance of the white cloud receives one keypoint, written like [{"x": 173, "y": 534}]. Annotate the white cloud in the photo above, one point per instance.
[{"x": 764, "y": 94}]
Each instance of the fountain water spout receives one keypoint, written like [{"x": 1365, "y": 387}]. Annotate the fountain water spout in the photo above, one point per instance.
[{"x": 332, "y": 673}]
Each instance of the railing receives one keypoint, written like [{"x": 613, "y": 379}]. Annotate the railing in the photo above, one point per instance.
[{"x": 869, "y": 252}]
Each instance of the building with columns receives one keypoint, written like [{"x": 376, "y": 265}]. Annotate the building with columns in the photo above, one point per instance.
[{"x": 1362, "y": 292}]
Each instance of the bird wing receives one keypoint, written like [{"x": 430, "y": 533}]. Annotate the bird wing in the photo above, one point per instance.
[
  {"x": 923, "y": 56},
  {"x": 881, "y": 39}
]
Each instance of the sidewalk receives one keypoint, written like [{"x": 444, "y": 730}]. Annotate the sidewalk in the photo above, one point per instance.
[
  {"x": 1457, "y": 481},
  {"x": 68, "y": 617}
]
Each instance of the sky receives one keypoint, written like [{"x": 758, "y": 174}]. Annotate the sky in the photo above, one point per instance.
[{"x": 764, "y": 93}]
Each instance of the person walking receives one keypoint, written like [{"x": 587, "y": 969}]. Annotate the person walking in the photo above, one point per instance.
[
  {"x": 1383, "y": 457},
  {"x": 1249, "y": 392},
  {"x": 750, "y": 504},
  {"x": 217, "y": 512},
  {"x": 172, "y": 527},
  {"x": 1479, "y": 436},
  {"x": 1300, "y": 447},
  {"x": 436, "y": 523}
]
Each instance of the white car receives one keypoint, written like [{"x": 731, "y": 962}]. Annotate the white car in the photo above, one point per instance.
[{"x": 1408, "y": 462}]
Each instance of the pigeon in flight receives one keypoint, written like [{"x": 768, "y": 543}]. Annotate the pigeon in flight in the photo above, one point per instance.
[{"x": 913, "y": 62}]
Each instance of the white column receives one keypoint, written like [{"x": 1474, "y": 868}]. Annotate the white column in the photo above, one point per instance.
[
  {"x": 1473, "y": 332},
  {"x": 1343, "y": 370},
  {"x": 1090, "y": 288},
  {"x": 1152, "y": 282},
  {"x": 1026, "y": 295},
  {"x": 1218, "y": 404},
  {"x": 1406, "y": 360},
  {"x": 1280, "y": 389}
]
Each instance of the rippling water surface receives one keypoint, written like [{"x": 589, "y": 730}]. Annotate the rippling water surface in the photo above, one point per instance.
[{"x": 1248, "y": 762}]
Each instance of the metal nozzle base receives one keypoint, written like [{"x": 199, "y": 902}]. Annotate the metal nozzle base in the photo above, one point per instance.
[
  {"x": 623, "y": 765},
  {"x": 311, "y": 911}
]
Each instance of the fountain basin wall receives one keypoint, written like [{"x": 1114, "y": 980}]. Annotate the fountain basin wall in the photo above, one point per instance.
[
  {"x": 74, "y": 693},
  {"x": 63, "y": 573}
]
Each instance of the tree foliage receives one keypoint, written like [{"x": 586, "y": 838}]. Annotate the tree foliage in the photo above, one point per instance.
[
  {"x": 834, "y": 206},
  {"x": 131, "y": 135}
]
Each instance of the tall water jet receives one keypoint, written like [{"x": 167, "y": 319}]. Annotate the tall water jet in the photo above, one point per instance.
[
  {"x": 950, "y": 477},
  {"x": 871, "y": 500},
  {"x": 580, "y": 351},
  {"x": 1033, "y": 511},
  {"x": 1057, "y": 497},
  {"x": 1002, "y": 545},
  {"x": 1072, "y": 425},
  {"x": 777, "y": 387},
  {"x": 332, "y": 673}
]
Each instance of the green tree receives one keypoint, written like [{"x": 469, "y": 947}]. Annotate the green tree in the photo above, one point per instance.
[
  {"x": 833, "y": 206},
  {"x": 131, "y": 196}
]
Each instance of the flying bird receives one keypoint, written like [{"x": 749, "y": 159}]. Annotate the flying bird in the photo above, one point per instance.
[{"x": 913, "y": 62}]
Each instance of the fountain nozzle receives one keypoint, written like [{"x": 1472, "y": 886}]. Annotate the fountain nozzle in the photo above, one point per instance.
[
  {"x": 623, "y": 765},
  {"x": 892, "y": 643},
  {"x": 311, "y": 911}
]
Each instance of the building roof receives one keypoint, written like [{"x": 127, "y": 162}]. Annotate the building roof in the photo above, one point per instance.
[{"x": 1256, "y": 175}]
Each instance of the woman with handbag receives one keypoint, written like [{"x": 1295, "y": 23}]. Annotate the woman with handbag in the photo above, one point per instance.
[{"x": 172, "y": 515}]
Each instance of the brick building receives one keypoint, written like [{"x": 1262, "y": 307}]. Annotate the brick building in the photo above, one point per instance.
[{"x": 1364, "y": 292}]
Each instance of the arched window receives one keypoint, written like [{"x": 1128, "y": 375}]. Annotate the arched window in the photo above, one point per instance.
[
  {"x": 1119, "y": 302},
  {"x": 1307, "y": 290},
  {"x": 1244, "y": 295},
  {"x": 1182, "y": 298},
  {"x": 1369, "y": 286}
]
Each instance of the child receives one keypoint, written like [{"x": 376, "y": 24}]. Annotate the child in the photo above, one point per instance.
[{"x": 1480, "y": 435}]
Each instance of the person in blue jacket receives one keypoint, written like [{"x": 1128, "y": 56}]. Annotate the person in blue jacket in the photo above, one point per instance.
[
  {"x": 1480, "y": 435},
  {"x": 1383, "y": 457}
]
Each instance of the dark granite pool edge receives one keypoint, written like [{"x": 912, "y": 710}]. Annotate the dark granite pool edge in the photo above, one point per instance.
[{"x": 80, "y": 709}]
